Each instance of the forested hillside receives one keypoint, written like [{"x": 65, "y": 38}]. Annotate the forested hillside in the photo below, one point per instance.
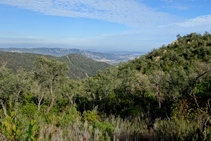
[
  {"x": 111, "y": 58},
  {"x": 79, "y": 66},
  {"x": 161, "y": 96}
]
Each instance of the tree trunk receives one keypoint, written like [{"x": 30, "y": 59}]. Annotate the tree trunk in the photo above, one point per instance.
[
  {"x": 39, "y": 103},
  {"x": 70, "y": 99},
  {"x": 159, "y": 103},
  {"x": 4, "y": 108},
  {"x": 52, "y": 101},
  {"x": 16, "y": 100},
  {"x": 51, "y": 105},
  {"x": 158, "y": 96}
]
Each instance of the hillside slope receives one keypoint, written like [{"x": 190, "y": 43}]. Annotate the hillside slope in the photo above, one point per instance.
[
  {"x": 160, "y": 79},
  {"x": 171, "y": 75},
  {"x": 82, "y": 66},
  {"x": 79, "y": 65},
  {"x": 185, "y": 52},
  {"x": 58, "y": 52}
]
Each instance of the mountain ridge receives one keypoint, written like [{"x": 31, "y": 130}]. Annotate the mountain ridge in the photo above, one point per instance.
[
  {"x": 79, "y": 65},
  {"x": 110, "y": 58}
]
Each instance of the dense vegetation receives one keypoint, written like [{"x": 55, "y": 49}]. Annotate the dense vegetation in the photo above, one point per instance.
[
  {"x": 163, "y": 95},
  {"x": 79, "y": 65}
]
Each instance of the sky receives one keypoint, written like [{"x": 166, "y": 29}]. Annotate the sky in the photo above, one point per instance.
[{"x": 101, "y": 25}]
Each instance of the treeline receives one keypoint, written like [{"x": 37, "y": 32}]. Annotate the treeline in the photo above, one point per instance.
[{"x": 163, "y": 95}]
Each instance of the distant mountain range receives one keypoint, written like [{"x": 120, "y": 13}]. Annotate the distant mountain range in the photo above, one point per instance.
[
  {"x": 80, "y": 66},
  {"x": 110, "y": 58}
]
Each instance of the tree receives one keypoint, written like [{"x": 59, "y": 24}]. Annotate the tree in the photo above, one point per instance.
[
  {"x": 71, "y": 88},
  {"x": 12, "y": 85},
  {"x": 157, "y": 81},
  {"x": 40, "y": 92},
  {"x": 128, "y": 77},
  {"x": 22, "y": 82},
  {"x": 7, "y": 87},
  {"x": 142, "y": 84},
  {"x": 178, "y": 36},
  {"x": 51, "y": 73}
]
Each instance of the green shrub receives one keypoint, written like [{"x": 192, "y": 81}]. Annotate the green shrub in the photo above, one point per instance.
[
  {"x": 91, "y": 116},
  {"x": 33, "y": 132},
  {"x": 105, "y": 127},
  {"x": 13, "y": 128},
  {"x": 68, "y": 117},
  {"x": 29, "y": 110},
  {"x": 10, "y": 128},
  {"x": 133, "y": 112},
  {"x": 186, "y": 109}
]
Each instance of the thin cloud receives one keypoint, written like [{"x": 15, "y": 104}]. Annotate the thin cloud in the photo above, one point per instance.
[
  {"x": 198, "y": 21},
  {"x": 169, "y": 1},
  {"x": 128, "y": 12},
  {"x": 178, "y": 7},
  {"x": 184, "y": 5}
]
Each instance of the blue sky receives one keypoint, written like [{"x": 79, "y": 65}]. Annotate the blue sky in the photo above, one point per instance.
[{"x": 101, "y": 25}]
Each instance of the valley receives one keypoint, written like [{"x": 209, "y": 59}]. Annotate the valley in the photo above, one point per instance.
[{"x": 110, "y": 58}]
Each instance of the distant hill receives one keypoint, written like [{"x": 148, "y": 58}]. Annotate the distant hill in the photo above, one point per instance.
[
  {"x": 185, "y": 52},
  {"x": 111, "y": 58},
  {"x": 79, "y": 65}
]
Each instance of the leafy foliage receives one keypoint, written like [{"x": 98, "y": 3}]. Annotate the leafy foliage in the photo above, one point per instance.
[
  {"x": 33, "y": 131},
  {"x": 91, "y": 117},
  {"x": 10, "y": 127},
  {"x": 163, "y": 95}
]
